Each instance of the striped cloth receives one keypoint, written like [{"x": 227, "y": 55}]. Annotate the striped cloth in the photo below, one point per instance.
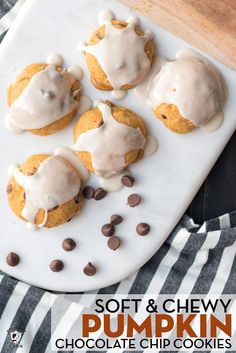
[{"x": 194, "y": 259}]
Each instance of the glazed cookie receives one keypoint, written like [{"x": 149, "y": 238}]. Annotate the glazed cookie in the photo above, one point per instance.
[
  {"x": 119, "y": 55},
  {"x": 109, "y": 138},
  {"x": 187, "y": 93},
  {"x": 45, "y": 191},
  {"x": 43, "y": 99}
]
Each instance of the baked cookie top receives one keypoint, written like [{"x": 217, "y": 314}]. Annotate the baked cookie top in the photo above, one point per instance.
[
  {"x": 108, "y": 138},
  {"x": 119, "y": 55},
  {"x": 42, "y": 95}
]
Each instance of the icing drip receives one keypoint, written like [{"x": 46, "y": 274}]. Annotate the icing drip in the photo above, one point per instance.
[
  {"x": 121, "y": 55},
  {"x": 191, "y": 83},
  {"x": 119, "y": 94},
  {"x": 76, "y": 71},
  {"x": 105, "y": 16},
  {"x": 109, "y": 143},
  {"x": 113, "y": 183},
  {"x": 54, "y": 183},
  {"x": 214, "y": 123},
  {"x": 47, "y": 98},
  {"x": 151, "y": 146},
  {"x": 55, "y": 59}
]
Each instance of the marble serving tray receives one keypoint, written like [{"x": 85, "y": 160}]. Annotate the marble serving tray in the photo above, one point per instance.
[{"x": 167, "y": 181}]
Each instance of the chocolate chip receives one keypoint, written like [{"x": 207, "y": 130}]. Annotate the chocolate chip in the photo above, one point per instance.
[
  {"x": 99, "y": 194},
  {"x": 88, "y": 192},
  {"x": 108, "y": 230},
  {"x": 134, "y": 200},
  {"x": 143, "y": 228},
  {"x": 116, "y": 219},
  {"x": 68, "y": 220},
  {"x": 127, "y": 180},
  {"x": 163, "y": 116},
  {"x": 12, "y": 259},
  {"x": 113, "y": 243},
  {"x": 9, "y": 188},
  {"x": 89, "y": 269},
  {"x": 68, "y": 244},
  {"x": 24, "y": 197},
  {"x": 77, "y": 198},
  {"x": 56, "y": 265}
]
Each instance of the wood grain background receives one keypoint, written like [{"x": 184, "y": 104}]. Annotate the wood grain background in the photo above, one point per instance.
[{"x": 209, "y": 25}]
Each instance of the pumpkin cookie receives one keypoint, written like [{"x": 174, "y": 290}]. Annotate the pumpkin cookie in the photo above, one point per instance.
[
  {"x": 119, "y": 55},
  {"x": 109, "y": 138},
  {"x": 45, "y": 191},
  {"x": 187, "y": 93},
  {"x": 43, "y": 99}
]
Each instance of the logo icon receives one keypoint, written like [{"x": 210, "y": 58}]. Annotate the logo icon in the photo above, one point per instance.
[{"x": 16, "y": 337}]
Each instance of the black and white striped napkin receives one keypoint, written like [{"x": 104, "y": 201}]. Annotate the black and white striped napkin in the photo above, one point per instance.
[{"x": 193, "y": 260}]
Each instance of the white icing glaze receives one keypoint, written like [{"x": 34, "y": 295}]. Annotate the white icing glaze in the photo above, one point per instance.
[
  {"x": 85, "y": 103},
  {"x": 105, "y": 16},
  {"x": 55, "y": 59},
  {"x": 121, "y": 55},
  {"x": 143, "y": 89},
  {"x": 76, "y": 71},
  {"x": 55, "y": 182},
  {"x": 81, "y": 46},
  {"x": 109, "y": 143},
  {"x": 47, "y": 98},
  {"x": 113, "y": 183},
  {"x": 214, "y": 123},
  {"x": 70, "y": 156},
  {"x": 11, "y": 127},
  {"x": 133, "y": 19},
  {"x": 96, "y": 102},
  {"x": 191, "y": 83},
  {"x": 151, "y": 146},
  {"x": 119, "y": 94}
]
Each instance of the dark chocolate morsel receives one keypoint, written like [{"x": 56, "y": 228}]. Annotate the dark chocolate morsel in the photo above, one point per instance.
[
  {"x": 12, "y": 259},
  {"x": 134, "y": 200},
  {"x": 68, "y": 244},
  {"x": 163, "y": 116},
  {"x": 99, "y": 194},
  {"x": 143, "y": 228},
  {"x": 88, "y": 192},
  {"x": 108, "y": 230},
  {"x": 56, "y": 265},
  {"x": 114, "y": 242},
  {"x": 89, "y": 269},
  {"x": 116, "y": 219},
  {"x": 127, "y": 180}
]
